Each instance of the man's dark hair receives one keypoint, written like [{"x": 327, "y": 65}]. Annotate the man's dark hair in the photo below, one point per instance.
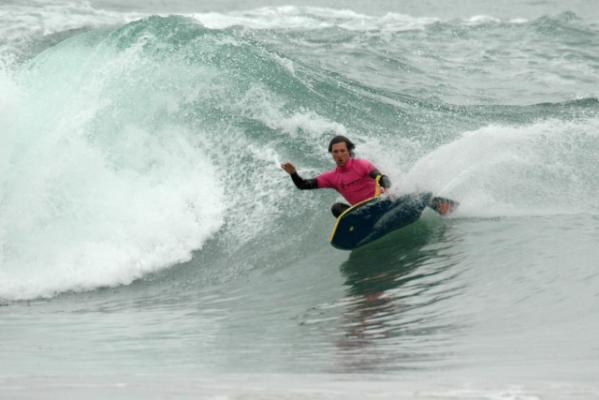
[{"x": 342, "y": 139}]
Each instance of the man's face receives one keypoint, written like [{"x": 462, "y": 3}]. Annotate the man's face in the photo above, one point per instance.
[{"x": 340, "y": 153}]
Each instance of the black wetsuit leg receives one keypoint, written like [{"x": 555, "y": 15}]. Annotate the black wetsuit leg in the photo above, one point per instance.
[{"x": 338, "y": 208}]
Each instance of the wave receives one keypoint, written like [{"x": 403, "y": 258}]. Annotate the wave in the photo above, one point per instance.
[{"x": 127, "y": 148}]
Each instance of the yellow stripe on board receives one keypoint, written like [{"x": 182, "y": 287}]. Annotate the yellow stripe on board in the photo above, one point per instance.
[{"x": 377, "y": 189}]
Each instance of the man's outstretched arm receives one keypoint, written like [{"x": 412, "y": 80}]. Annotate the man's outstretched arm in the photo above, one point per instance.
[
  {"x": 300, "y": 182},
  {"x": 384, "y": 181}
]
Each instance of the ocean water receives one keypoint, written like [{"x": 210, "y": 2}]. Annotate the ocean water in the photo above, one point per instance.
[{"x": 151, "y": 247}]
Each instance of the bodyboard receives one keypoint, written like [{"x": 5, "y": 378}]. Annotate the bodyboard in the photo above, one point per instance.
[{"x": 371, "y": 219}]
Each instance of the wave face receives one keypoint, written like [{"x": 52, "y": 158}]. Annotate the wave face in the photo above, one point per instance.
[
  {"x": 126, "y": 146},
  {"x": 142, "y": 205}
]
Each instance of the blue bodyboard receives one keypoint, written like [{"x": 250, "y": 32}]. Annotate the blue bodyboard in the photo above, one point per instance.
[{"x": 374, "y": 218}]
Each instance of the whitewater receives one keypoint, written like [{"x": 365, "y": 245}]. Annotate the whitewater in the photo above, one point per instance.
[{"x": 151, "y": 246}]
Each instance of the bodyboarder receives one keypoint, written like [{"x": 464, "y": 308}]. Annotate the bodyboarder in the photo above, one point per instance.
[{"x": 355, "y": 179}]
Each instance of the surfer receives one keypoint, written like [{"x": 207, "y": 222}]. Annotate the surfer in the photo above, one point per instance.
[{"x": 355, "y": 179}]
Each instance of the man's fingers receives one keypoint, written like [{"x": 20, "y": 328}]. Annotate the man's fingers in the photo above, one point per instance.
[{"x": 288, "y": 167}]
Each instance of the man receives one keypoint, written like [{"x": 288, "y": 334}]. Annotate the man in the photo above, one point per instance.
[{"x": 355, "y": 179}]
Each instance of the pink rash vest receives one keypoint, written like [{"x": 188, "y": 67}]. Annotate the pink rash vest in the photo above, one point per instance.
[{"x": 352, "y": 180}]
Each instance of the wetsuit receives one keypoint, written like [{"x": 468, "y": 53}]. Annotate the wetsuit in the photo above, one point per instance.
[{"x": 355, "y": 181}]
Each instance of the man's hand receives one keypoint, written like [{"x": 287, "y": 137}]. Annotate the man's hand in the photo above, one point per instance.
[
  {"x": 289, "y": 168},
  {"x": 299, "y": 182}
]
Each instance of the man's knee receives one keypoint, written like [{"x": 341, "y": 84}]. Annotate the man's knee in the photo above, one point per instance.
[{"x": 338, "y": 208}]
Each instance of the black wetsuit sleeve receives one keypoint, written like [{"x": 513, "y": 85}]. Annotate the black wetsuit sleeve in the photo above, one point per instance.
[
  {"x": 384, "y": 181},
  {"x": 302, "y": 183}
]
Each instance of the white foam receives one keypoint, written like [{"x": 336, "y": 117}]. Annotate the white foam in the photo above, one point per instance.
[
  {"x": 73, "y": 222},
  {"x": 481, "y": 20},
  {"x": 46, "y": 18},
  {"x": 309, "y": 18},
  {"x": 518, "y": 20},
  {"x": 91, "y": 194}
]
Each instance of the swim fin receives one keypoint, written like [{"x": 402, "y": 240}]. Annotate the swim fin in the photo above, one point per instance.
[{"x": 442, "y": 205}]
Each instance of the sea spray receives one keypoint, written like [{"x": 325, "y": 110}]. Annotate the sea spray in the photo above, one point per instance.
[{"x": 536, "y": 169}]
